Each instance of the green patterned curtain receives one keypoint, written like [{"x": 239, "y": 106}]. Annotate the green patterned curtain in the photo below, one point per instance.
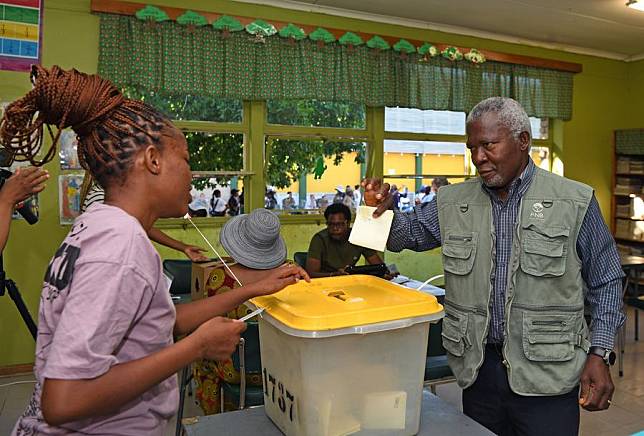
[
  {"x": 175, "y": 59},
  {"x": 629, "y": 141}
]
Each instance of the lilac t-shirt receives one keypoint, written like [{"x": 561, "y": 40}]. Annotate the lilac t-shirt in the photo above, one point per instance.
[{"x": 105, "y": 301}]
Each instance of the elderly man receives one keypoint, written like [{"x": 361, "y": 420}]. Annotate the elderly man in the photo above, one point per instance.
[{"x": 522, "y": 248}]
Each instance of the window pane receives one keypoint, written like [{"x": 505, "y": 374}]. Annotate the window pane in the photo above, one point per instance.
[
  {"x": 432, "y": 158},
  {"x": 215, "y": 151},
  {"x": 211, "y": 196},
  {"x": 315, "y": 113},
  {"x": 539, "y": 128},
  {"x": 541, "y": 157},
  {"x": 399, "y": 119},
  {"x": 311, "y": 170},
  {"x": 190, "y": 107}
]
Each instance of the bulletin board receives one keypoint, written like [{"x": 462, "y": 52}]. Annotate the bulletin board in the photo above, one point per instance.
[{"x": 20, "y": 34}]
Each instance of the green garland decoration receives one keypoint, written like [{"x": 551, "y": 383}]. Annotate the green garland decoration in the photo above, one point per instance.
[
  {"x": 475, "y": 56},
  {"x": 452, "y": 53},
  {"x": 350, "y": 39},
  {"x": 428, "y": 50},
  {"x": 404, "y": 46},
  {"x": 227, "y": 23},
  {"x": 293, "y": 32},
  {"x": 261, "y": 28},
  {"x": 321, "y": 35},
  {"x": 151, "y": 13},
  {"x": 190, "y": 18},
  {"x": 378, "y": 43}
]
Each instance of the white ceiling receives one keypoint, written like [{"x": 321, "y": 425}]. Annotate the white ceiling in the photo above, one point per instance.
[{"x": 605, "y": 28}]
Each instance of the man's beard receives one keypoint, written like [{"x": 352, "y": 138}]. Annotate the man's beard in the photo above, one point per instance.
[{"x": 495, "y": 182}]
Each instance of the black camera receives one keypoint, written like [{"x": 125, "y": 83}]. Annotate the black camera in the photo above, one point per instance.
[{"x": 25, "y": 208}]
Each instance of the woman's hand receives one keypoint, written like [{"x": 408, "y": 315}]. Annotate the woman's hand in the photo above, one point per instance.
[
  {"x": 194, "y": 253},
  {"x": 279, "y": 278},
  {"x": 22, "y": 184},
  {"x": 218, "y": 338}
]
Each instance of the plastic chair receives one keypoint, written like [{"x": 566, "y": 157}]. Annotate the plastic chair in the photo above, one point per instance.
[
  {"x": 180, "y": 270},
  {"x": 247, "y": 360},
  {"x": 300, "y": 258}
]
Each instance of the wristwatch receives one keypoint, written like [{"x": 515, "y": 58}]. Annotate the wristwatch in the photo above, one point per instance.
[{"x": 608, "y": 355}]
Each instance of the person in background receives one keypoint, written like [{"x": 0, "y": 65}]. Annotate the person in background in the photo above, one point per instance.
[
  {"x": 250, "y": 262},
  {"x": 438, "y": 182},
  {"x": 270, "y": 202},
  {"x": 217, "y": 205},
  {"x": 199, "y": 207},
  {"x": 348, "y": 198},
  {"x": 233, "y": 203},
  {"x": 357, "y": 195},
  {"x": 339, "y": 195},
  {"x": 395, "y": 196},
  {"x": 91, "y": 193},
  {"x": 288, "y": 203},
  {"x": 523, "y": 249},
  {"x": 330, "y": 251},
  {"x": 313, "y": 203},
  {"x": 106, "y": 361},
  {"x": 323, "y": 203},
  {"x": 24, "y": 183},
  {"x": 425, "y": 196}
]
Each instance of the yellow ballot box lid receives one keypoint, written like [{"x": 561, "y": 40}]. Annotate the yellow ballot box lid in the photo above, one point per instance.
[{"x": 352, "y": 304}]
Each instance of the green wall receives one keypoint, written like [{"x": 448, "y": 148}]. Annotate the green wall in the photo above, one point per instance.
[{"x": 607, "y": 95}]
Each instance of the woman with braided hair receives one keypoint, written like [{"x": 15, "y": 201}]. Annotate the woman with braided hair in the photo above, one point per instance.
[{"x": 105, "y": 357}]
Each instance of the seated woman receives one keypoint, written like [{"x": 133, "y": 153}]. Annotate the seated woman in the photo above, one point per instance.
[{"x": 256, "y": 248}]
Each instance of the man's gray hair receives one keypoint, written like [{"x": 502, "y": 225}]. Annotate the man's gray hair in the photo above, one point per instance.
[{"x": 509, "y": 111}]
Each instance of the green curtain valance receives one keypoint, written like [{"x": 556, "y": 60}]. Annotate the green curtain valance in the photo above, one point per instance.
[
  {"x": 176, "y": 59},
  {"x": 629, "y": 141}
]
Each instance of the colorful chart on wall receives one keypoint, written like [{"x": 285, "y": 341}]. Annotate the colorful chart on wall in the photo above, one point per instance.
[
  {"x": 20, "y": 34},
  {"x": 69, "y": 150},
  {"x": 69, "y": 187}
]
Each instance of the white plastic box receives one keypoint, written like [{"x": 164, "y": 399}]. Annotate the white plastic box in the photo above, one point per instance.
[{"x": 345, "y": 355}]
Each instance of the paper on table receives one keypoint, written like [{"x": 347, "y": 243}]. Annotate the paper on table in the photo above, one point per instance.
[{"x": 371, "y": 232}]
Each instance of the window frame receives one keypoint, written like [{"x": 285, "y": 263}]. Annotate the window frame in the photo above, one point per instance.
[{"x": 257, "y": 130}]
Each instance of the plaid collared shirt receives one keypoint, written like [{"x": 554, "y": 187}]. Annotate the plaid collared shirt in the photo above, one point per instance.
[{"x": 601, "y": 269}]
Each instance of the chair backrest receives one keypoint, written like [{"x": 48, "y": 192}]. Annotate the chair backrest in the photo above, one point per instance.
[
  {"x": 180, "y": 270},
  {"x": 300, "y": 258},
  {"x": 252, "y": 355},
  {"x": 435, "y": 343}
]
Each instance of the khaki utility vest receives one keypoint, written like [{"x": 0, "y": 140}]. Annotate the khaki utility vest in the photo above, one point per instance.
[{"x": 546, "y": 337}]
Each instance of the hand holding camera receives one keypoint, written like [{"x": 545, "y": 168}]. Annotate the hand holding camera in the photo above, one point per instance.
[{"x": 17, "y": 187}]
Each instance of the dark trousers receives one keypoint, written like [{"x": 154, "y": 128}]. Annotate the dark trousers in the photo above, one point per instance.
[{"x": 490, "y": 402}]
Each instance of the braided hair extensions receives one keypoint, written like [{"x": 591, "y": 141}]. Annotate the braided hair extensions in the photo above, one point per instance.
[{"x": 110, "y": 127}]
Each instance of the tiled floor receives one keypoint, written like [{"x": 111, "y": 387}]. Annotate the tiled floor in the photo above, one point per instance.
[{"x": 623, "y": 418}]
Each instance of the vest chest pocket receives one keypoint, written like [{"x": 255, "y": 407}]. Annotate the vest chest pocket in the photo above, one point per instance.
[
  {"x": 459, "y": 251},
  {"x": 544, "y": 250},
  {"x": 455, "y": 332},
  {"x": 549, "y": 338}
]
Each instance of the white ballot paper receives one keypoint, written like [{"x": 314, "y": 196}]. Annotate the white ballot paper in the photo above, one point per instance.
[{"x": 371, "y": 232}]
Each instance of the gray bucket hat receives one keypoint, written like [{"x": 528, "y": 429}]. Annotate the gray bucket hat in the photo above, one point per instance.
[{"x": 254, "y": 239}]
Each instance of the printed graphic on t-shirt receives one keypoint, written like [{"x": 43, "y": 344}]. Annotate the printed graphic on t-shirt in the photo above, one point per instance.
[{"x": 61, "y": 269}]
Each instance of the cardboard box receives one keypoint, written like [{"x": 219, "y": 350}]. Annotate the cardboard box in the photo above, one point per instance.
[{"x": 200, "y": 273}]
